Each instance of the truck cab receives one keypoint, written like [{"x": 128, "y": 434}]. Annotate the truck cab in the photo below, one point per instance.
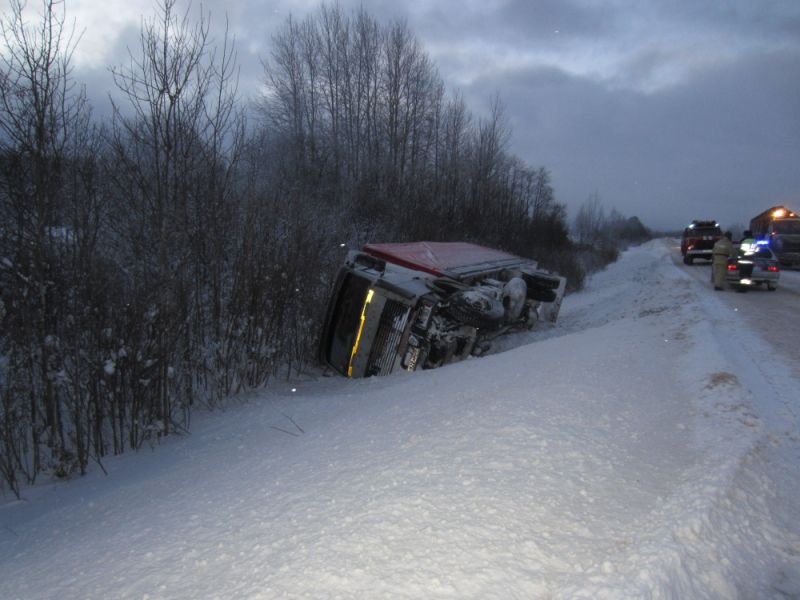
[
  {"x": 779, "y": 228},
  {"x": 421, "y": 305},
  {"x": 698, "y": 240}
]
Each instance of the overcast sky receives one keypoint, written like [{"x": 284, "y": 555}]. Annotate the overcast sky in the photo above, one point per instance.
[{"x": 668, "y": 110}]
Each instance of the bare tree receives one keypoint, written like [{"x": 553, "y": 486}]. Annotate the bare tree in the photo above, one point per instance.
[
  {"x": 186, "y": 262},
  {"x": 293, "y": 111},
  {"x": 452, "y": 156},
  {"x": 590, "y": 221},
  {"x": 43, "y": 117},
  {"x": 174, "y": 148},
  {"x": 391, "y": 137}
]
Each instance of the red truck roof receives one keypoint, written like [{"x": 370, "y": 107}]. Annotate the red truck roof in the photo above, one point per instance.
[{"x": 438, "y": 258}]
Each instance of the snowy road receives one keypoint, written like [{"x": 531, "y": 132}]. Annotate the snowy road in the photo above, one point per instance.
[
  {"x": 646, "y": 447},
  {"x": 775, "y": 316}
]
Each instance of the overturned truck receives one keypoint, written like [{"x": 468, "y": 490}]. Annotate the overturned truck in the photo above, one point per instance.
[{"x": 420, "y": 305}]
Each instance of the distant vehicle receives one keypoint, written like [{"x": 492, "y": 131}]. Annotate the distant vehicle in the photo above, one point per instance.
[
  {"x": 698, "y": 240},
  {"x": 420, "y": 305},
  {"x": 779, "y": 227},
  {"x": 757, "y": 268}
]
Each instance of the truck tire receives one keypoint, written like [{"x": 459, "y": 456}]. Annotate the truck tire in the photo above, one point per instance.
[
  {"x": 542, "y": 295},
  {"x": 541, "y": 280},
  {"x": 476, "y": 309}
]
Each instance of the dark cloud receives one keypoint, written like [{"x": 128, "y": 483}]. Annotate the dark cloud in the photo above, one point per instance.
[
  {"x": 669, "y": 111},
  {"x": 723, "y": 144},
  {"x": 765, "y": 18},
  {"x": 514, "y": 22}
]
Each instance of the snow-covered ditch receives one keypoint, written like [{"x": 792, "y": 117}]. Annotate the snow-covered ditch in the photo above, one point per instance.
[{"x": 641, "y": 448}]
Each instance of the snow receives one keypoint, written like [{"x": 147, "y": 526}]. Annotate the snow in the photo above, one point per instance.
[{"x": 633, "y": 450}]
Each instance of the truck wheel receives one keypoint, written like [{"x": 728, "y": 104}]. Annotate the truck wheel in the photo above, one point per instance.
[
  {"x": 541, "y": 280},
  {"x": 687, "y": 260},
  {"x": 475, "y": 309},
  {"x": 772, "y": 287}
]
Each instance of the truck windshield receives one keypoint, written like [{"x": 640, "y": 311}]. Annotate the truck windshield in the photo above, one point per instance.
[
  {"x": 345, "y": 321},
  {"x": 787, "y": 227}
]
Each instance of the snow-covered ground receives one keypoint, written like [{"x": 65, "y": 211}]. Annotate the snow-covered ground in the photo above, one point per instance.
[{"x": 647, "y": 446}]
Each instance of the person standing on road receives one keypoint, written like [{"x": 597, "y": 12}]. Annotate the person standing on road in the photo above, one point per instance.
[
  {"x": 723, "y": 250},
  {"x": 748, "y": 243}
]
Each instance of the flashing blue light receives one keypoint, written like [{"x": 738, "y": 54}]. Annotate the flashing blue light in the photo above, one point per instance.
[{"x": 762, "y": 243}]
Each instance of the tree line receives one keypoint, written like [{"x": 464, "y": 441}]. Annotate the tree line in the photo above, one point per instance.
[
  {"x": 599, "y": 236},
  {"x": 182, "y": 250}
]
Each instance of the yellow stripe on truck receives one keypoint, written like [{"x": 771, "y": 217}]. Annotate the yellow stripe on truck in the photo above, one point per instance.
[{"x": 367, "y": 300}]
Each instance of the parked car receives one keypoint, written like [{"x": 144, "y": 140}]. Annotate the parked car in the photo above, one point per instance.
[
  {"x": 698, "y": 240},
  {"x": 757, "y": 268}
]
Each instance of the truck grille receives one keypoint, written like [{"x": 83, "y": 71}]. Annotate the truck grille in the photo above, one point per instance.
[
  {"x": 704, "y": 244},
  {"x": 390, "y": 330}
]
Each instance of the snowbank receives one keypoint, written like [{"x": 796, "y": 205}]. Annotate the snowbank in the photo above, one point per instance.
[{"x": 624, "y": 454}]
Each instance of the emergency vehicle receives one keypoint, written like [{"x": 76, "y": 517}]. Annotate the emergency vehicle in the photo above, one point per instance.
[{"x": 779, "y": 228}]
